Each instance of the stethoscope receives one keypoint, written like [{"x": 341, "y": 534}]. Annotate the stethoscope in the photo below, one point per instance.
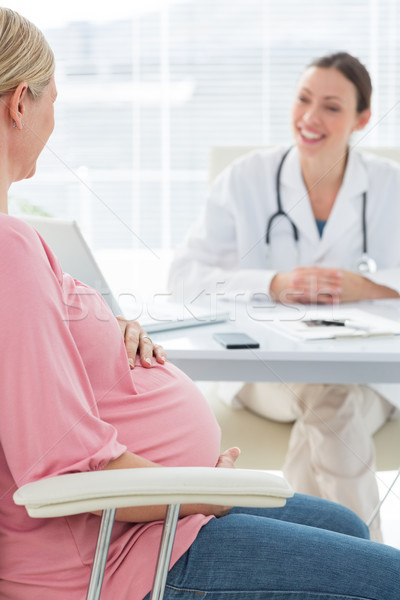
[{"x": 365, "y": 264}]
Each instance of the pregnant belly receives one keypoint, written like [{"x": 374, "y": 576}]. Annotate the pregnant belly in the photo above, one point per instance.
[{"x": 167, "y": 420}]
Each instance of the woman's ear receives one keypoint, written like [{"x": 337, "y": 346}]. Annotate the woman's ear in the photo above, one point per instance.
[
  {"x": 362, "y": 119},
  {"x": 17, "y": 104}
]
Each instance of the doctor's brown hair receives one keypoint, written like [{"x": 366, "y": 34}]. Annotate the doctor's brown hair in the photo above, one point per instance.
[{"x": 353, "y": 70}]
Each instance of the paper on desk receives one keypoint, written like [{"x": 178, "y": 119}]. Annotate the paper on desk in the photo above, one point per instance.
[{"x": 358, "y": 324}]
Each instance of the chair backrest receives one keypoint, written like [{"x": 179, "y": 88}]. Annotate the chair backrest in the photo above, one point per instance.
[{"x": 222, "y": 156}]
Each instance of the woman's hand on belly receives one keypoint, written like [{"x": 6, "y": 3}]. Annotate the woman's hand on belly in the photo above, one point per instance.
[{"x": 137, "y": 341}]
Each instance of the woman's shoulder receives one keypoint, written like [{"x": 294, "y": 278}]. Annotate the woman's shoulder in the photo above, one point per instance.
[
  {"x": 20, "y": 241},
  {"x": 16, "y": 232}
]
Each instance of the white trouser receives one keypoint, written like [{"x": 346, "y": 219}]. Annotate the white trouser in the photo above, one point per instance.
[{"x": 331, "y": 452}]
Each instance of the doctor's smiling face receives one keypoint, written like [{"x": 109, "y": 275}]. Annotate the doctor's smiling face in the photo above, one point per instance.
[{"x": 325, "y": 112}]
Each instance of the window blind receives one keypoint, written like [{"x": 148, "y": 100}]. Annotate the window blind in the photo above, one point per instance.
[{"x": 144, "y": 93}]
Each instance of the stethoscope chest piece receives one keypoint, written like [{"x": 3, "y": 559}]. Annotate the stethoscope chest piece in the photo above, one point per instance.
[{"x": 366, "y": 264}]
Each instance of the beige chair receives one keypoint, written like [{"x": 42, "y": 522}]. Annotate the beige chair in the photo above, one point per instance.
[
  {"x": 264, "y": 443},
  {"x": 222, "y": 156},
  {"x": 109, "y": 490}
]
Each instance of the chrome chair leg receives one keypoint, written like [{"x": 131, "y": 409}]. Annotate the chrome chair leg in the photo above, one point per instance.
[
  {"x": 100, "y": 558},
  {"x": 164, "y": 555}
]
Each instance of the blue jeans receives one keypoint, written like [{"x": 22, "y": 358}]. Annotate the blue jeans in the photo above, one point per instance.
[{"x": 311, "y": 549}]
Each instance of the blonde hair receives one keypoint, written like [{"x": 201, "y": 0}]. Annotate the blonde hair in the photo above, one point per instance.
[{"x": 25, "y": 54}]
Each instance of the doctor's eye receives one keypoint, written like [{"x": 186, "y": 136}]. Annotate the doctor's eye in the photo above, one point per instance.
[
  {"x": 303, "y": 99},
  {"x": 333, "y": 108}
]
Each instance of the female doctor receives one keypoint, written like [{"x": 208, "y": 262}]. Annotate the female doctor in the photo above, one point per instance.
[{"x": 315, "y": 223}]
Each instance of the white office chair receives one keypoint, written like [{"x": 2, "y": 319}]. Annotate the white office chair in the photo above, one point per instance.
[{"x": 108, "y": 490}]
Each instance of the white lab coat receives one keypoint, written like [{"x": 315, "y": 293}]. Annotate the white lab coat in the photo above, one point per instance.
[
  {"x": 227, "y": 244},
  {"x": 225, "y": 249}
]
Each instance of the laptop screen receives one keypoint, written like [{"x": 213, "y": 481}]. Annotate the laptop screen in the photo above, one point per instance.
[{"x": 68, "y": 244}]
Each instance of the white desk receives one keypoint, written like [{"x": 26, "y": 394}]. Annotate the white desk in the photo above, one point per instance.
[{"x": 281, "y": 358}]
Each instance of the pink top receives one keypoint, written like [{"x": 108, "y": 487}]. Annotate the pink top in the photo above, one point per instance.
[{"x": 71, "y": 403}]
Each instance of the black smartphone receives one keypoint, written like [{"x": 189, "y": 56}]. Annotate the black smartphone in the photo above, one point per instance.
[{"x": 234, "y": 341}]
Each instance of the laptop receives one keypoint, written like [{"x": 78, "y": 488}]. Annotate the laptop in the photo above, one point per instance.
[{"x": 68, "y": 244}]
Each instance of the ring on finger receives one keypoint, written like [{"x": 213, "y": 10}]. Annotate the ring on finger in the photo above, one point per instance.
[{"x": 146, "y": 337}]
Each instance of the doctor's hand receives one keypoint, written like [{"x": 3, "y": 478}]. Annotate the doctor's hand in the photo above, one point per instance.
[
  {"x": 137, "y": 341},
  {"x": 307, "y": 285},
  {"x": 319, "y": 285},
  {"x": 355, "y": 287}
]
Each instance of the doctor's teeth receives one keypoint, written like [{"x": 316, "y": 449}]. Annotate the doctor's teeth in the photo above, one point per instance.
[{"x": 311, "y": 136}]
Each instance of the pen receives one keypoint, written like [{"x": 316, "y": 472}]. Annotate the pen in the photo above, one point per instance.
[
  {"x": 328, "y": 322},
  {"x": 342, "y": 323}
]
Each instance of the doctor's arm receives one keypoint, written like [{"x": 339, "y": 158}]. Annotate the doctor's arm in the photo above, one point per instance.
[
  {"x": 209, "y": 260},
  {"x": 355, "y": 287},
  {"x": 321, "y": 285},
  {"x": 198, "y": 271}
]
